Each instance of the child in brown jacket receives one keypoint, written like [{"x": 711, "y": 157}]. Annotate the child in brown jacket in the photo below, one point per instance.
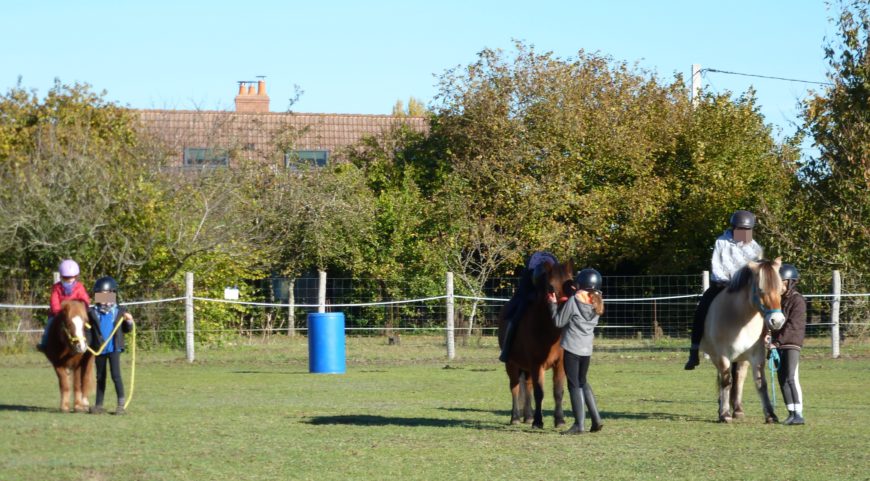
[{"x": 788, "y": 340}]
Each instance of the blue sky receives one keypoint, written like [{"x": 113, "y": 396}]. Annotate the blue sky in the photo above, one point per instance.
[{"x": 360, "y": 57}]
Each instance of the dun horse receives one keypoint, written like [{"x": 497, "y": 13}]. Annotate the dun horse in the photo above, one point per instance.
[
  {"x": 67, "y": 350},
  {"x": 536, "y": 349},
  {"x": 734, "y": 333}
]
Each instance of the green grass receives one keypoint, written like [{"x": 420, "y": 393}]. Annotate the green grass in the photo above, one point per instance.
[{"x": 401, "y": 412}]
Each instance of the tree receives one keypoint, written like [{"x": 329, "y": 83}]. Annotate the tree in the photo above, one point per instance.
[
  {"x": 598, "y": 161},
  {"x": 416, "y": 108},
  {"x": 827, "y": 223}
]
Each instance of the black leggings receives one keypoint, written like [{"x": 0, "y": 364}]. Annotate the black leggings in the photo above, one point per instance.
[
  {"x": 788, "y": 375},
  {"x": 701, "y": 313},
  {"x": 576, "y": 368},
  {"x": 114, "y": 359}
]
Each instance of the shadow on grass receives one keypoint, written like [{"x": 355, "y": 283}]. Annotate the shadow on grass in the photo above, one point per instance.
[
  {"x": 604, "y": 414},
  {"x": 26, "y": 409},
  {"x": 375, "y": 420},
  {"x": 654, "y": 416},
  {"x": 269, "y": 372},
  {"x": 494, "y": 412}
]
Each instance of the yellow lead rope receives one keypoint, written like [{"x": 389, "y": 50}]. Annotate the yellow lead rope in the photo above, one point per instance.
[{"x": 132, "y": 353}]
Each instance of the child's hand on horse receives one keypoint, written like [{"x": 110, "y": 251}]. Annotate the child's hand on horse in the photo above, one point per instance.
[
  {"x": 128, "y": 317},
  {"x": 551, "y": 297}
]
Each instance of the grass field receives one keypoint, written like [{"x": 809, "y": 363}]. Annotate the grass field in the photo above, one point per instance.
[{"x": 252, "y": 411}]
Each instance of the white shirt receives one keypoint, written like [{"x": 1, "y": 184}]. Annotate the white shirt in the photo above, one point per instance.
[{"x": 730, "y": 256}]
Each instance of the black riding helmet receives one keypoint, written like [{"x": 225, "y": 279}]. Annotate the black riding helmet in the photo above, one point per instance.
[
  {"x": 742, "y": 219},
  {"x": 788, "y": 272},
  {"x": 106, "y": 284},
  {"x": 588, "y": 278}
]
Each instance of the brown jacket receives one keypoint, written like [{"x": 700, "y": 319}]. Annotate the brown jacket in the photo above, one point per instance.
[{"x": 794, "y": 307}]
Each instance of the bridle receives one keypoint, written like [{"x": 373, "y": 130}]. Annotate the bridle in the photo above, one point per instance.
[
  {"x": 74, "y": 340},
  {"x": 759, "y": 304}
]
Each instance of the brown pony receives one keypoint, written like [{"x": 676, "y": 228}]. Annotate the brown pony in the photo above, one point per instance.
[
  {"x": 536, "y": 349},
  {"x": 734, "y": 331},
  {"x": 67, "y": 350}
]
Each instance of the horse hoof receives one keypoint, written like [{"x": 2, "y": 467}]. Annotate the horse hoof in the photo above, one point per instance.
[
  {"x": 771, "y": 420},
  {"x": 725, "y": 419},
  {"x": 514, "y": 422},
  {"x": 739, "y": 415},
  {"x": 560, "y": 424},
  {"x": 538, "y": 425}
]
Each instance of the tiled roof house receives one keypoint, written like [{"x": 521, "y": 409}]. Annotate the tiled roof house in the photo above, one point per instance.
[{"x": 211, "y": 138}]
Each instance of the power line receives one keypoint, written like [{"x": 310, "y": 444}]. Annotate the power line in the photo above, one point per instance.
[{"x": 765, "y": 76}]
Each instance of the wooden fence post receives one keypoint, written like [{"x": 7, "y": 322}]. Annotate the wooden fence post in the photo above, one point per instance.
[
  {"x": 291, "y": 308},
  {"x": 451, "y": 346},
  {"x": 835, "y": 315},
  {"x": 188, "y": 315},
  {"x": 321, "y": 292}
]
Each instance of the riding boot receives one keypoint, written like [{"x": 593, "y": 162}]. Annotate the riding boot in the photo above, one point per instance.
[
  {"x": 577, "y": 406},
  {"x": 97, "y": 409},
  {"x": 789, "y": 418},
  {"x": 589, "y": 398},
  {"x": 797, "y": 420},
  {"x": 120, "y": 410},
  {"x": 694, "y": 359},
  {"x": 510, "y": 330}
]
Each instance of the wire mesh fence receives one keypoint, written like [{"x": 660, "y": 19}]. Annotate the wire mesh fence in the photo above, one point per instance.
[{"x": 655, "y": 308}]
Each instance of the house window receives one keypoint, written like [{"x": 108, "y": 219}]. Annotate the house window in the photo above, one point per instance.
[
  {"x": 201, "y": 157},
  {"x": 315, "y": 158}
]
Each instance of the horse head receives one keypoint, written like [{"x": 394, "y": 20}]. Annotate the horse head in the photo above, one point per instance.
[
  {"x": 767, "y": 290},
  {"x": 559, "y": 278},
  {"x": 74, "y": 317}
]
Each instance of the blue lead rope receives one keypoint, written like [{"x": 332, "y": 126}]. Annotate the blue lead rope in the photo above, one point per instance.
[{"x": 773, "y": 364}]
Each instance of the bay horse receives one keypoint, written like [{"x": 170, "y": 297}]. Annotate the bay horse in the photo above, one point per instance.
[
  {"x": 536, "y": 349},
  {"x": 67, "y": 349},
  {"x": 734, "y": 333}
]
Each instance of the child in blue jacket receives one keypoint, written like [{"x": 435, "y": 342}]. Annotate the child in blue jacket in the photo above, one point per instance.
[{"x": 104, "y": 316}]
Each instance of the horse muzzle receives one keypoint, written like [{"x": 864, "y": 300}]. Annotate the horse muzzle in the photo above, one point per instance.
[{"x": 775, "y": 320}]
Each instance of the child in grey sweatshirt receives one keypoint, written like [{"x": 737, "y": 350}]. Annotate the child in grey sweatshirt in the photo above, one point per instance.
[{"x": 578, "y": 317}]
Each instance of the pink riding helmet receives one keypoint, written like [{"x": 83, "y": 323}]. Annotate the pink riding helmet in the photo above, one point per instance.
[{"x": 68, "y": 268}]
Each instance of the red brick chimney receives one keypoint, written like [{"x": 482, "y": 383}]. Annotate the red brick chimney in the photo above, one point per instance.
[{"x": 249, "y": 101}]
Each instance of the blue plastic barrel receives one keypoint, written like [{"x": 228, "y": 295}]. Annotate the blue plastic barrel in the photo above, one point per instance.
[{"x": 326, "y": 343}]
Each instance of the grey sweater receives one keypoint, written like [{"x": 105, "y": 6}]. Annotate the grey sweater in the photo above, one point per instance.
[{"x": 578, "y": 321}]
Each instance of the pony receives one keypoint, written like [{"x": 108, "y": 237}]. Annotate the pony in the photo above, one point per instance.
[
  {"x": 536, "y": 349},
  {"x": 734, "y": 334},
  {"x": 67, "y": 350}
]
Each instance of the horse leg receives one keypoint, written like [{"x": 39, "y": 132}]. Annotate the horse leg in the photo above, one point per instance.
[
  {"x": 723, "y": 365},
  {"x": 77, "y": 388},
  {"x": 757, "y": 358},
  {"x": 63, "y": 382},
  {"x": 538, "y": 382},
  {"x": 559, "y": 393},
  {"x": 738, "y": 373},
  {"x": 88, "y": 381},
  {"x": 527, "y": 390},
  {"x": 514, "y": 377},
  {"x": 80, "y": 388}
]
